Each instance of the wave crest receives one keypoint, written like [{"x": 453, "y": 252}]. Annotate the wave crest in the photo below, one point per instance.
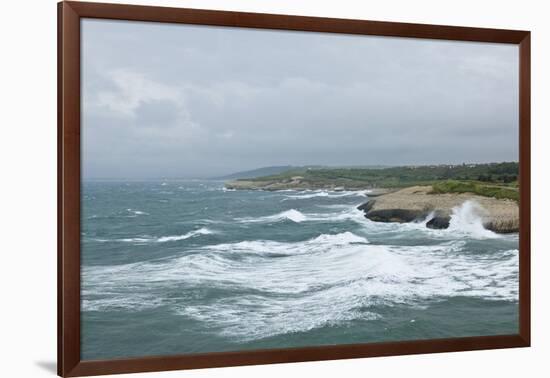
[
  {"x": 292, "y": 215},
  {"x": 340, "y": 239},
  {"x": 324, "y": 193},
  {"x": 297, "y": 216},
  {"x": 201, "y": 231},
  {"x": 467, "y": 219},
  {"x": 162, "y": 239}
]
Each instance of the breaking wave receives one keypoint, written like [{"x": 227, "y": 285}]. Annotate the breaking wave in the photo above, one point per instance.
[
  {"x": 323, "y": 193},
  {"x": 466, "y": 222},
  {"x": 201, "y": 231},
  {"x": 296, "y": 216},
  {"x": 292, "y": 215},
  {"x": 162, "y": 239},
  {"x": 467, "y": 219},
  {"x": 266, "y": 287}
]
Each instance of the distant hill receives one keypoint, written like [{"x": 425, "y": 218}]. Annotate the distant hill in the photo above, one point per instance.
[
  {"x": 277, "y": 170},
  {"x": 265, "y": 171}
]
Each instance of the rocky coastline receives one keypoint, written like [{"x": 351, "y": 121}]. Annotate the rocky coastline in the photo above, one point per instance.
[
  {"x": 299, "y": 183},
  {"x": 418, "y": 203}
]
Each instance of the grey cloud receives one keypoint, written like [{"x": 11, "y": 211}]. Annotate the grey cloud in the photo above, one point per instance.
[{"x": 193, "y": 101}]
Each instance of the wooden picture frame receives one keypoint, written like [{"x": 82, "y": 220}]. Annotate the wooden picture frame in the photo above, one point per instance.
[{"x": 69, "y": 181}]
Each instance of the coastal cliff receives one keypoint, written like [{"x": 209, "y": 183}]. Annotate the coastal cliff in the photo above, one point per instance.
[{"x": 418, "y": 203}]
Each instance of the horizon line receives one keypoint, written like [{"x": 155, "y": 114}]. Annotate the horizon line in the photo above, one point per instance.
[{"x": 220, "y": 177}]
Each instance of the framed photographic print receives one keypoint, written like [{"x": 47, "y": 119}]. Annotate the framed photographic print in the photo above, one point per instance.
[{"x": 239, "y": 188}]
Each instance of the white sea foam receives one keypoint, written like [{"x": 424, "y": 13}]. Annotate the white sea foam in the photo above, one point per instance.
[
  {"x": 136, "y": 212},
  {"x": 135, "y": 240},
  {"x": 466, "y": 222},
  {"x": 350, "y": 213},
  {"x": 292, "y": 214},
  {"x": 163, "y": 239},
  {"x": 306, "y": 196},
  {"x": 340, "y": 239},
  {"x": 468, "y": 219},
  {"x": 282, "y": 287},
  {"x": 321, "y": 243},
  {"x": 136, "y": 302},
  {"x": 201, "y": 231},
  {"x": 324, "y": 193}
]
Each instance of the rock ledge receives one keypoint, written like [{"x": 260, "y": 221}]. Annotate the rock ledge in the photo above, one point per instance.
[{"x": 415, "y": 204}]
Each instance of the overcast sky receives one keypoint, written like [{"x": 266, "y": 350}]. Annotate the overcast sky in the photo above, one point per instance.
[{"x": 162, "y": 100}]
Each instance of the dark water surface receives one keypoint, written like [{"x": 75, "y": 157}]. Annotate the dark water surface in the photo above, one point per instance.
[{"x": 181, "y": 267}]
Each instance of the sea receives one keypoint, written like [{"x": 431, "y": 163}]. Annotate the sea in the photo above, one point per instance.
[{"x": 185, "y": 266}]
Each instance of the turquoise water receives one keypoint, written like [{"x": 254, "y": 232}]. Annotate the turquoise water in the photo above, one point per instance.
[{"x": 181, "y": 267}]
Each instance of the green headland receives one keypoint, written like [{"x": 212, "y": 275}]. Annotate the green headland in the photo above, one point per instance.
[
  {"x": 498, "y": 180},
  {"x": 428, "y": 193}
]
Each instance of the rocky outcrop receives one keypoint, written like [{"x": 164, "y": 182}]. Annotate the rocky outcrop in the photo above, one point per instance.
[
  {"x": 439, "y": 222},
  {"x": 395, "y": 215},
  {"x": 366, "y": 206},
  {"x": 417, "y": 203}
]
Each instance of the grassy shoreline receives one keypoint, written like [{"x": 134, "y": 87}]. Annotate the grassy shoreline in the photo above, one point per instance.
[
  {"x": 481, "y": 189},
  {"x": 495, "y": 180}
]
